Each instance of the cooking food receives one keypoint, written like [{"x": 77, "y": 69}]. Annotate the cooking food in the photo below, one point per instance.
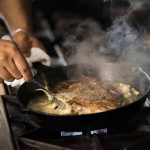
[{"x": 85, "y": 95}]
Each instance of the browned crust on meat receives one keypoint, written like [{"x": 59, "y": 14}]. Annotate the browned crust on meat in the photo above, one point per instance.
[{"x": 90, "y": 94}]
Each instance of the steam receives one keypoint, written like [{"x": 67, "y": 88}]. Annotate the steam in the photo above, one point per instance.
[
  {"x": 85, "y": 42},
  {"x": 137, "y": 4},
  {"x": 127, "y": 43}
]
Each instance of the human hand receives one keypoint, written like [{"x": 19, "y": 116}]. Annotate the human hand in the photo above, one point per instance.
[
  {"x": 25, "y": 41},
  {"x": 13, "y": 65}
]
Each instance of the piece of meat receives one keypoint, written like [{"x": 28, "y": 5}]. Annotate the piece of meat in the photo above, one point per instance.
[
  {"x": 88, "y": 95},
  {"x": 88, "y": 88},
  {"x": 85, "y": 107}
]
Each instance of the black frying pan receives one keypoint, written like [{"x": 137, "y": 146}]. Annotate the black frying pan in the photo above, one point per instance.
[{"x": 112, "y": 72}]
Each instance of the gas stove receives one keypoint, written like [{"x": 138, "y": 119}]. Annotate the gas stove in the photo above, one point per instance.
[{"x": 19, "y": 131}]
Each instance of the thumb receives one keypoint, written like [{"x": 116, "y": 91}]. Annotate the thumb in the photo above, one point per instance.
[{"x": 37, "y": 44}]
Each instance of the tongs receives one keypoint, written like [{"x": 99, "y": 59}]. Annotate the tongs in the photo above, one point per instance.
[{"x": 50, "y": 95}]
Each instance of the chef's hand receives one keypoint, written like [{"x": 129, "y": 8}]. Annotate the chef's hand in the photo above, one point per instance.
[
  {"x": 13, "y": 64},
  {"x": 25, "y": 41}
]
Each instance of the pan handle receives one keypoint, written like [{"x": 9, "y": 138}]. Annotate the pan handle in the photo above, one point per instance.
[
  {"x": 12, "y": 100},
  {"x": 25, "y": 118}
]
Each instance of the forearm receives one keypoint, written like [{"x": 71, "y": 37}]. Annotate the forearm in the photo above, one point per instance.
[{"x": 16, "y": 14}]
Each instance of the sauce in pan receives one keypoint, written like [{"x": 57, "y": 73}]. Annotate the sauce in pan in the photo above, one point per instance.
[{"x": 85, "y": 95}]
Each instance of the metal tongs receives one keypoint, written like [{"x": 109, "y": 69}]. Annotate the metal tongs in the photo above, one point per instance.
[{"x": 50, "y": 95}]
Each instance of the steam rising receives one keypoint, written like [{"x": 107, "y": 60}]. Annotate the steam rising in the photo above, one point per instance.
[
  {"x": 137, "y": 4},
  {"x": 85, "y": 42},
  {"x": 127, "y": 43}
]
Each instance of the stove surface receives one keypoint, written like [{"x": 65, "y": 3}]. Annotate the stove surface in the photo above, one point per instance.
[
  {"x": 53, "y": 140},
  {"x": 135, "y": 134}
]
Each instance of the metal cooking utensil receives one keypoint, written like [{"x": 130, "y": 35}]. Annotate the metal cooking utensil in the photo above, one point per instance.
[{"x": 60, "y": 104}]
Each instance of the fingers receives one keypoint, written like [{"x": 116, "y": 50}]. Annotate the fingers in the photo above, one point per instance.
[
  {"x": 1, "y": 80},
  {"x": 23, "y": 42},
  {"x": 12, "y": 63},
  {"x": 23, "y": 67},
  {"x": 13, "y": 70},
  {"x": 6, "y": 75}
]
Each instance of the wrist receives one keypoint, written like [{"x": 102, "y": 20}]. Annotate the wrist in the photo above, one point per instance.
[{"x": 14, "y": 32}]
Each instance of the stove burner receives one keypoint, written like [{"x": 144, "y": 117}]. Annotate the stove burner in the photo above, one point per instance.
[
  {"x": 53, "y": 140},
  {"x": 46, "y": 139},
  {"x": 100, "y": 131}
]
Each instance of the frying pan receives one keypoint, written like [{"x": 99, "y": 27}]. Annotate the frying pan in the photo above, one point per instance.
[{"x": 110, "y": 72}]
